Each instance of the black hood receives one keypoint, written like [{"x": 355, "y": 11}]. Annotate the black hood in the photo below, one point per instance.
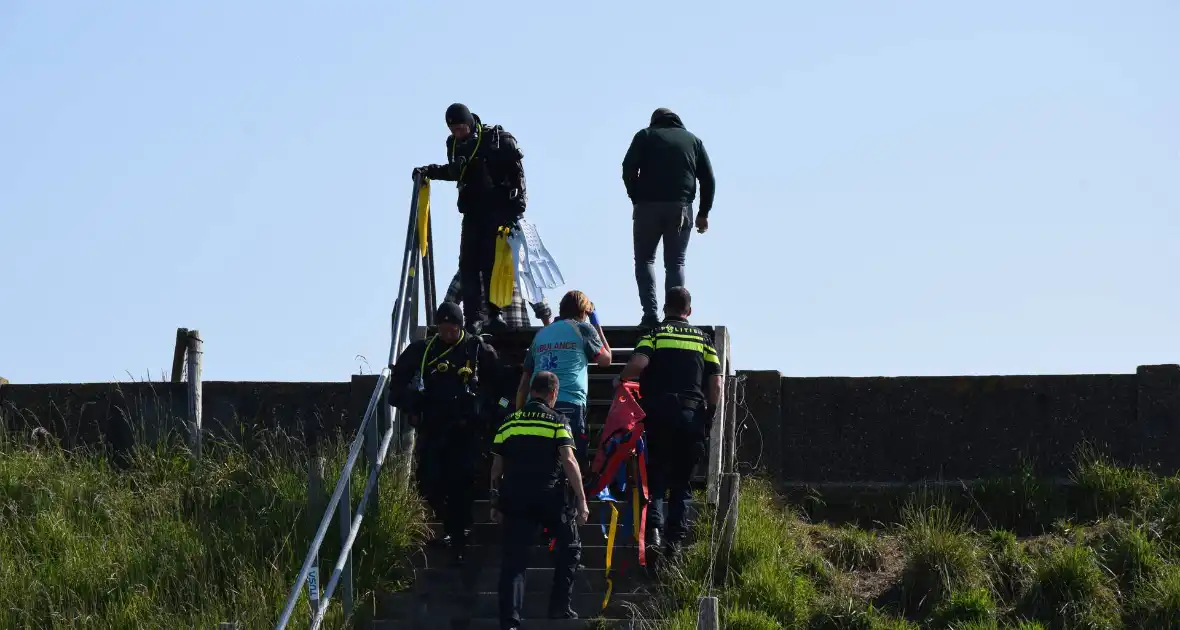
[{"x": 664, "y": 117}]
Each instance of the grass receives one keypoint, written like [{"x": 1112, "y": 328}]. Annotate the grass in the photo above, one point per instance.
[
  {"x": 166, "y": 542},
  {"x": 1106, "y": 557}
]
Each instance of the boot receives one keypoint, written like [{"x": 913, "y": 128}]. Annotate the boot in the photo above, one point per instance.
[
  {"x": 496, "y": 322},
  {"x": 654, "y": 539},
  {"x": 558, "y": 613}
]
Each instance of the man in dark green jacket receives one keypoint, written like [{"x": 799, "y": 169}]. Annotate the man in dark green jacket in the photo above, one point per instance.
[{"x": 660, "y": 171}]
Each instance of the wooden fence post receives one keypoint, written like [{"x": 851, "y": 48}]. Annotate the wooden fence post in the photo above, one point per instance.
[
  {"x": 708, "y": 616},
  {"x": 194, "y": 351},
  {"x": 720, "y": 435},
  {"x": 727, "y": 507},
  {"x": 178, "y": 349}
]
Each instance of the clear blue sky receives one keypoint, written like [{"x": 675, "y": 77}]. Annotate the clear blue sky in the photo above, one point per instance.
[{"x": 915, "y": 188}]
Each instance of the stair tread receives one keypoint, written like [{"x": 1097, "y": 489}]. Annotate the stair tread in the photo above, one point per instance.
[
  {"x": 537, "y": 580},
  {"x": 593, "y": 556},
  {"x": 486, "y": 623},
  {"x": 486, "y": 605}
]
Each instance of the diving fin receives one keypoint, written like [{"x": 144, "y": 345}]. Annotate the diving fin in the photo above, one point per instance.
[
  {"x": 528, "y": 287},
  {"x": 538, "y": 264},
  {"x": 503, "y": 274}
]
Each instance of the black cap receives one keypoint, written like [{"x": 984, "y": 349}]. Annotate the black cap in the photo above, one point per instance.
[
  {"x": 449, "y": 313},
  {"x": 458, "y": 113}
]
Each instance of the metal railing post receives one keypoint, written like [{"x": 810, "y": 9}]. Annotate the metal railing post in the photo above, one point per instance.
[
  {"x": 344, "y": 513},
  {"x": 404, "y": 317}
]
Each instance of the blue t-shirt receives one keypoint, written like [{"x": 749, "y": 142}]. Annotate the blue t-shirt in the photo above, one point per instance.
[{"x": 566, "y": 348}]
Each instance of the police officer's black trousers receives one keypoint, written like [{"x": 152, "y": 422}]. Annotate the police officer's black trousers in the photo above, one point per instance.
[
  {"x": 520, "y": 532},
  {"x": 675, "y": 445},
  {"x": 446, "y": 476},
  {"x": 477, "y": 255}
]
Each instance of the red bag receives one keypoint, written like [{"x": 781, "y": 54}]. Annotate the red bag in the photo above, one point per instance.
[{"x": 619, "y": 438}]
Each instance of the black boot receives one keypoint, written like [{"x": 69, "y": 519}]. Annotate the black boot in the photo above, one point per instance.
[
  {"x": 567, "y": 613},
  {"x": 654, "y": 539},
  {"x": 496, "y": 322}
]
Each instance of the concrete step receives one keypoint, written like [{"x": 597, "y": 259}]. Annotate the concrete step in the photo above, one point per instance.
[
  {"x": 486, "y": 604},
  {"x": 488, "y": 533},
  {"x": 600, "y": 623},
  {"x": 624, "y": 559},
  {"x": 537, "y": 580}
]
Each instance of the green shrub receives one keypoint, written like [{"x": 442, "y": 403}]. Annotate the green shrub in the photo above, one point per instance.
[
  {"x": 772, "y": 589},
  {"x": 1126, "y": 551},
  {"x": 1111, "y": 490},
  {"x": 746, "y": 619},
  {"x": 842, "y": 613},
  {"x": 1156, "y": 602},
  {"x": 1070, "y": 590},
  {"x": 1007, "y": 564},
  {"x": 973, "y": 606},
  {"x": 941, "y": 556},
  {"x": 851, "y": 549}
]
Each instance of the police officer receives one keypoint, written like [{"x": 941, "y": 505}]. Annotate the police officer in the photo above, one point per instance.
[
  {"x": 486, "y": 164},
  {"x": 680, "y": 378},
  {"x": 445, "y": 384},
  {"x": 536, "y": 482}
]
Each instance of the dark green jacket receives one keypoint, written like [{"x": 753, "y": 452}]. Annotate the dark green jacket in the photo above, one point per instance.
[{"x": 664, "y": 162}]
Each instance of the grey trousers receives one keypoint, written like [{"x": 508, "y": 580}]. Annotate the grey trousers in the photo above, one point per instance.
[{"x": 671, "y": 222}]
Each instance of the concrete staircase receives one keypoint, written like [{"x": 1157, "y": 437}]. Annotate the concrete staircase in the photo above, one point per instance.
[{"x": 466, "y": 597}]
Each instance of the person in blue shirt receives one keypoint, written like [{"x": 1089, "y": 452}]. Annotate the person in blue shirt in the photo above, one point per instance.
[{"x": 566, "y": 347}]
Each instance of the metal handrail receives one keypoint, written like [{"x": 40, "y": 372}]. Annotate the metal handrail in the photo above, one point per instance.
[{"x": 400, "y": 335}]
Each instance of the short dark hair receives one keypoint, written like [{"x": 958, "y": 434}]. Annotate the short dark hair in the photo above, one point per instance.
[
  {"x": 677, "y": 301},
  {"x": 543, "y": 384}
]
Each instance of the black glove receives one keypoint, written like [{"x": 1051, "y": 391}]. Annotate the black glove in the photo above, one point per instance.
[{"x": 418, "y": 170}]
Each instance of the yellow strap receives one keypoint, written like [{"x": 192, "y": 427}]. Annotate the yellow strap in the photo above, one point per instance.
[
  {"x": 423, "y": 214},
  {"x": 610, "y": 547},
  {"x": 466, "y": 163},
  {"x": 635, "y": 513},
  {"x": 422, "y": 367}
]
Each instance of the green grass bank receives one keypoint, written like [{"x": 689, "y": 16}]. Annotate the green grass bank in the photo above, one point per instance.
[
  {"x": 167, "y": 542},
  {"x": 1113, "y": 564}
]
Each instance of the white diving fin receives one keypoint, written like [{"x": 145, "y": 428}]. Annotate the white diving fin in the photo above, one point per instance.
[{"x": 535, "y": 268}]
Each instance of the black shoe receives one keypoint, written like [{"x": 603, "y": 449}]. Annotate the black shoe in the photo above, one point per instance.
[
  {"x": 497, "y": 324},
  {"x": 647, "y": 323},
  {"x": 568, "y": 613},
  {"x": 440, "y": 542},
  {"x": 654, "y": 539}
]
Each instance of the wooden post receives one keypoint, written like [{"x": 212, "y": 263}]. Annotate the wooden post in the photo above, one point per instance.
[
  {"x": 718, "y": 436},
  {"x": 728, "y": 514},
  {"x": 178, "y": 349},
  {"x": 193, "y": 348},
  {"x": 729, "y": 406},
  {"x": 317, "y": 498},
  {"x": 708, "y": 615}
]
